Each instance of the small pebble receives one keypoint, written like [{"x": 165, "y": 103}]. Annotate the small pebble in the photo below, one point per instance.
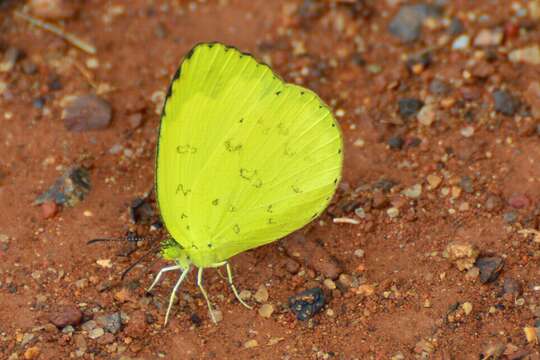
[
  {"x": 528, "y": 55},
  {"x": 53, "y": 9},
  {"x": 66, "y": 315},
  {"x": 251, "y": 344},
  {"x": 413, "y": 192},
  {"x": 92, "y": 63},
  {"x": 392, "y": 212},
  {"x": 407, "y": 23},
  {"x": 464, "y": 206},
  {"x": 505, "y": 103},
  {"x": 531, "y": 334},
  {"x": 261, "y": 295},
  {"x": 245, "y": 295},
  {"x": 467, "y": 307},
  {"x": 112, "y": 322},
  {"x": 409, "y": 107},
  {"x": 96, "y": 333},
  {"x": 135, "y": 120},
  {"x": 433, "y": 181},
  {"x": 396, "y": 142},
  {"x": 463, "y": 255},
  {"x": 472, "y": 274},
  {"x": 38, "y": 103},
  {"x": 365, "y": 290},
  {"x": 439, "y": 87},
  {"x": 89, "y": 325},
  {"x": 490, "y": 268},
  {"x": 329, "y": 283},
  {"x": 86, "y": 113},
  {"x": 512, "y": 286},
  {"x": 104, "y": 263},
  {"x": 462, "y": 42},
  {"x": 510, "y": 217},
  {"x": 493, "y": 203},
  {"x": 519, "y": 201},
  {"x": 345, "y": 280},
  {"x": 466, "y": 184},
  {"x": 266, "y": 310},
  {"x": 487, "y": 37},
  {"x": 49, "y": 209},
  {"x": 32, "y": 353},
  {"x": 426, "y": 116},
  {"x": 467, "y": 131},
  {"x": 359, "y": 253}
]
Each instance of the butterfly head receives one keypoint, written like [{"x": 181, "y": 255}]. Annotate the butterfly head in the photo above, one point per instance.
[{"x": 171, "y": 250}]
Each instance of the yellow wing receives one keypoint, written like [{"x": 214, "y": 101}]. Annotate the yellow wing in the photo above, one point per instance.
[{"x": 243, "y": 158}]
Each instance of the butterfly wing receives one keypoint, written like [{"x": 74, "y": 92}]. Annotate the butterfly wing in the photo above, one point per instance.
[{"x": 243, "y": 158}]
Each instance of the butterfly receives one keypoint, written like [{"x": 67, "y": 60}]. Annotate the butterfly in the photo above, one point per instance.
[{"x": 243, "y": 159}]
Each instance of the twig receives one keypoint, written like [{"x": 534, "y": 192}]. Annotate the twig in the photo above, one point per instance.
[
  {"x": 86, "y": 74},
  {"x": 346, "y": 220},
  {"x": 84, "y": 46}
]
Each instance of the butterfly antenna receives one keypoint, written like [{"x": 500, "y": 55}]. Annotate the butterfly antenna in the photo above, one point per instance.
[
  {"x": 138, "y": 261},
  {"x": 173, "y": 293},
  {"x": 131, "y": 236},
  {"x": 93, "y": 241}
]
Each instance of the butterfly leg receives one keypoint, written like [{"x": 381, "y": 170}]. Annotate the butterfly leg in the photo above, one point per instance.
[
  {"x": 230, "y": 277},
  {"x": 164, "y": 270},
  {"x": 199, "y": 284},
  {"x": 173, "y": 293}
]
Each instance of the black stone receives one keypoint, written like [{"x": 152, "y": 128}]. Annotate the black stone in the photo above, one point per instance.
[
  {"x": 409, "y": 107},
  {"x": 490, "y": 268},
  {"x": 396, "y": 142},
  {"x": 505, "y": 103},
  {"x": 385, "y": 185},
  {"x": 195, "y": 320},
  {"x": 307, "y": 303},
  {"x": 140, "y": 211},
  {"x": 38, "y": 103},
  {"x": 466, "y": 184},
  {"x": 69, "y": 189}
]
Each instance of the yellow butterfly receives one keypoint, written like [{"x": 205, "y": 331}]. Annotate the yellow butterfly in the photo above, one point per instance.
[{"x": 243, "y": 159}]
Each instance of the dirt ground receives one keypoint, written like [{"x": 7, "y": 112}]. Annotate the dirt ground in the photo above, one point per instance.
[{"x": 439, "y": 105}]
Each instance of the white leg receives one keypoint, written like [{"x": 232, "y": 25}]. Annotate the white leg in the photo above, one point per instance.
[
  {"x": 199, "y": 284},
  {"x": 164, "y": 270},
  {"x": 171, "y": 299},
  {"x": 229, "y": 276}
]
